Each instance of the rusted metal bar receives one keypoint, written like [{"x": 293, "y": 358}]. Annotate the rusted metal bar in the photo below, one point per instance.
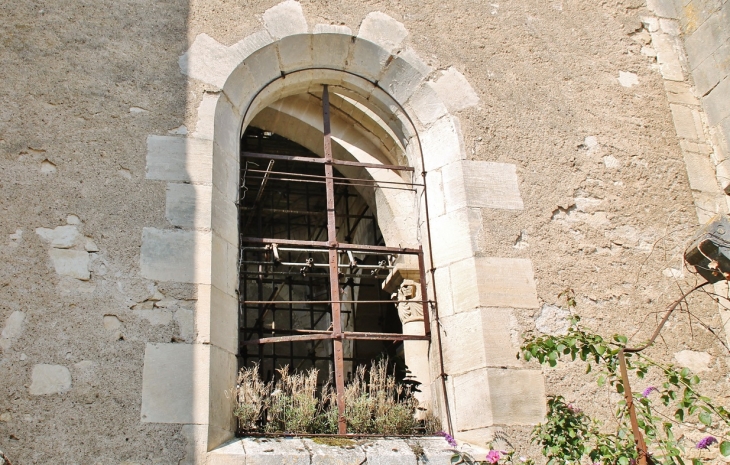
[
  {"x": 271, "y": 340},
  {"x": 253, "y": 302},
  {"x": 267, "y": 174},
  {"x": 352, "y": 335},
  {"x": 424, "y": 295},
  {"x": 333, "y": 261},
  {"x": 344, "y": 182},
  {"x": 640, "y": 444},
  {"x": 324, "y": 161},
  {"x": 383, "y": 336},
  {"x": 326, "y": 245}
]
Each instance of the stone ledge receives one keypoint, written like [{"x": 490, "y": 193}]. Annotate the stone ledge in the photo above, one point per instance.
[{"x": 390, "y": 451}]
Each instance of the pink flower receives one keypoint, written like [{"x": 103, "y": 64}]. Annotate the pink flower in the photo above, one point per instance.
[{"x": 493, "y": 456}]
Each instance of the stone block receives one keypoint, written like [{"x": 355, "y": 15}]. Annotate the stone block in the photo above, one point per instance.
[
  {"x": 367, "y": 59},
  {"x": 284, "y": 451},
  {"x": 60, "y": 237},
  {"x": 250, "y": 44},
  {"x": 435, "y": 450},
  {"x": 208, "y": 60},
  {"x": 171, "y": 158},
  {"x": 426, "y": 105},
  {"x": 188, "y": 205},
  {"x": 517, "y": 396},
  {"x": 231, "y": 453},
  {"x": 175, "y": 383},
  {"x": 285, "y": 19},
  {"x": 73, "y": 263},
  {"x": 443, "y": 291},
  {"x": 493, "y": 282},
  {"x": 383, "y": 30},
  {"x": 455, "y": 91},
  {"x": 700, "y": 172},
  {"x": 223, "y": 375},
  {"x": 716, "y": 103},
  {"x": 390, "y": 452},
  {"x": 705, "y": 40},
  {"x": 481, "y": 184},
  {"x": 224, "y": 272},
  {"x": 665, "y": 8},
  {"x": 694, "y": 360},
  {"x": 505, "y": 282},
  {"x": 706, "y": 75},
  {"x": 175, "y": 255},
  {"x": 685, "y": 121},
  {"x": 12, "y": 330},
  {"x": 223, "y": 320},
  {"x": 708, "y": 205},
  {"x": 331, "y": 48},
  {"x": 206, "y": 116},
  {"x": 295, "y": 52},
  {"x": 329, "y": 455},
  {"x": 680, "y": 92},
  {"x": 201, "y": 314},
  {"x": 455, "y": 236},
  {"x": 403, "y": 75},
  {"x": 49, "y": 379},
  {"x": 436, "y": 205},
  {"x": 668, "y": 52},
  {"x": 331, "y": 29},
  {"x": 472, "y": 407},
  {"x": 227, "y": 132},
  {"x": 226, "y": 176},
  {"x": 224, "y": 221},
  {"x": 442, "y": 144},
  {"x": 484, "y": 334}
]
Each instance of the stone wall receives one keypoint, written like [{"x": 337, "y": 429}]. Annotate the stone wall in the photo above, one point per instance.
[{"x": 588, "y": 162}]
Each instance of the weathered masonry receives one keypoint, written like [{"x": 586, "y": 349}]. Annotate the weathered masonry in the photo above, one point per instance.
[{"x": 386, "y": 113}]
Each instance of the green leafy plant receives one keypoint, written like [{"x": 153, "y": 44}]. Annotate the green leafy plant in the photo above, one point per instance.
[{"x": 568, "y": 436}]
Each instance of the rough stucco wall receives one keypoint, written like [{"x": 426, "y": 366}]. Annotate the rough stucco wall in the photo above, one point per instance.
[
  {"x": 71, "y": 73},
  {"x": 547, "y": 76}
]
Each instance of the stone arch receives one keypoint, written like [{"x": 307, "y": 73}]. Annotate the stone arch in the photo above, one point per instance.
[{"x": 412, "y": 106}]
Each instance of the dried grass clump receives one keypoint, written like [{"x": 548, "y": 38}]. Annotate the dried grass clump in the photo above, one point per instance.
[{"x": 375, "y": 403}]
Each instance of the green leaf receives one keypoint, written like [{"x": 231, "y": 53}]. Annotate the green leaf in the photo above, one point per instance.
[
  {"x": 706, "y": 418},
  {"x": 621, "y": 339},
  {"x": 725, "y": 448},
  {"x": 679, "y": 414},
  {"x": 623, "y": 460},
  {"x": 588, "y": 368},
  {"x": 601, "y": 380}
]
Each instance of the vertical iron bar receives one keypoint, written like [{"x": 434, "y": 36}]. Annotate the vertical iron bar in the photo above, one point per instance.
[
  {"x": 640, "y": 444},
  {"x": 334, "y": 278}
]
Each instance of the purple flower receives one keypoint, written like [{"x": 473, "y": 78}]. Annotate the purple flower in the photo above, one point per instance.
[
  {"x": 450, "y": 439},
  {"x": 493, "y": 456},
  {"x": 706, "y": 442},
  {"x": 649, "y": 390},
  {"x": 574, "y": 409}
]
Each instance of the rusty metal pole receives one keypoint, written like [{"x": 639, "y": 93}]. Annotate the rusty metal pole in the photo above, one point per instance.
[
  {"x": 333, "y": 262},
  {"x": 640, "y": 444}
]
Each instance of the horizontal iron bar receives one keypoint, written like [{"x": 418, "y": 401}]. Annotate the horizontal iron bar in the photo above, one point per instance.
[
  {"x": 343, "y": 182},
  {"x": 319, "y": 265},
  {"x": 326, "y": 245},
  {"x": 352, "y": 335},
  {"x": 252, "y": 302},
  {"x": 323, "y": 161}
]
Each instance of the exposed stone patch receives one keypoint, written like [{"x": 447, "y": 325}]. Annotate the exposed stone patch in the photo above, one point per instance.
[
  {"x": 455, "y": 91},
  {"x": 62, "y": 237},
  {"x": 285, "y": 19},
  {"x": 137, "y": 110},
  {"x": 47, "y": 167},
  {"x": 49, "y": 379},
  {"x": 627, "y": 79},
  {"x": 383, "y": 30},
  {"x": 12, "y": 330},
  {"x": 553, "y": 320},
  {"x": 73, "y": 263},
  {"x": 695, "y": 361},
  {"x": 111, "y": 322}
]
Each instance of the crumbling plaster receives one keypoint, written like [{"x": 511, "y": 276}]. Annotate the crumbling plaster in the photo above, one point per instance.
[{"x": 600, "y": 172}]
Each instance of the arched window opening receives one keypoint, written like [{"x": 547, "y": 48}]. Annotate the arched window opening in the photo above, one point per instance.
[{"x": 318, "y": 285}]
